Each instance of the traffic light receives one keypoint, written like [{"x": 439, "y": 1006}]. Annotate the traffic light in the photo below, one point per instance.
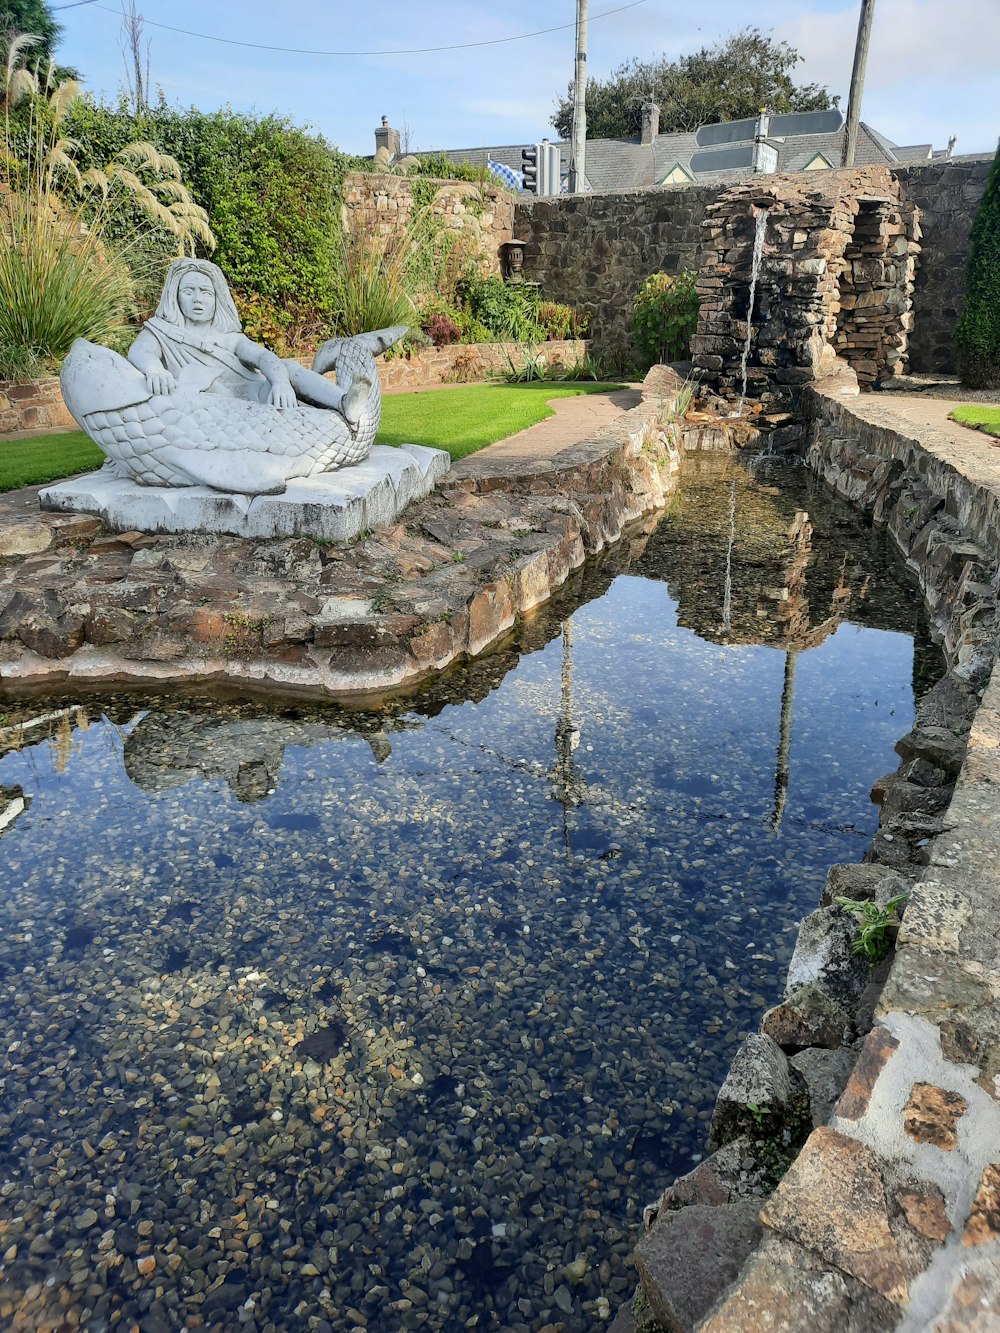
[{"x": 529, "y": 168}]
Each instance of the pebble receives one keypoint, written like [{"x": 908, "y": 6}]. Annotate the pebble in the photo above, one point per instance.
[{"x": 527, "y": 987}]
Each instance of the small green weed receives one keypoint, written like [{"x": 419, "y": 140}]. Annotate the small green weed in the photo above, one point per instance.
[
  {"x": 244, "y": 636},
  {"x": 874, "y": 924}
]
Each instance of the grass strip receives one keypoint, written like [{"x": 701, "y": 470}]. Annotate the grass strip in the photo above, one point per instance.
[
  {"x": 44, "y": 458},
  {"x": 466, "y": 419},
  {"x": 978, "y": 416},
  {"x": 459, "y": 420}
]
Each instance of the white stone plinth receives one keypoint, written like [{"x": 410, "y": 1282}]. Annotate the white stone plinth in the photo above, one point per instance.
[{"x": 333, "y": 506}]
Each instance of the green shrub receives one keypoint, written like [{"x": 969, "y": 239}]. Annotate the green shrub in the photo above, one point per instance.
[
  {"x": 665, "y": 316},
  {"x": 556, "y": 319},
  {"x": 508, "y": 310},
  {"x": 978, "y": 333}
]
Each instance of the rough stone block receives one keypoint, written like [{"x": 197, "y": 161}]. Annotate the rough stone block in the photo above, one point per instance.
[
  {"x": 759, "y": 1077},
  {"x": 823, "y": 957},
  {"x": 825, "y": 1074},
  {"x": 690, "y": 1256},
  {"x": 807, "y": 1017},
  {"x": 833, "y": 1202}
]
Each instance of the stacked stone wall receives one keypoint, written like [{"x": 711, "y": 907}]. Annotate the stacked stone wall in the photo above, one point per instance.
[
  {"x": 948, "y": 195},
  {"x": 594, "y": 251},
  {"x": 481, "y": 214},
  {"x": 32, "y": 405}
]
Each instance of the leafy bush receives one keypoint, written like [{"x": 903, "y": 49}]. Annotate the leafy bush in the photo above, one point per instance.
[
  {"x": 978, "y": 333},
  {"x": 665, "y": 316},
  {"x": 508, "y": 310},
  {"x": 555, "y": 319},
  {"x": 442, "y": 330},
  {"x": 273, "y": 194}
]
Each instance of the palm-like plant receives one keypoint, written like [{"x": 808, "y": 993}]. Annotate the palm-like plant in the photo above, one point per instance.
[{"x": 68, "y": 266}]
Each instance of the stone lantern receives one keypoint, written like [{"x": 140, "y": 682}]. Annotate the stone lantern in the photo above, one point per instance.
[{"x": 512, "y": 260}]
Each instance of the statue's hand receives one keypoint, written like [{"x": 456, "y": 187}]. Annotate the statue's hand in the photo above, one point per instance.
[
  {"x": 282, "y": 395},
  {"x": 160, "y": 382}
]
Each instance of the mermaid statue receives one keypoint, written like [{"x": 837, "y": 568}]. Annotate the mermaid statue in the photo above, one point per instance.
[{"x": 196, "y": 403}]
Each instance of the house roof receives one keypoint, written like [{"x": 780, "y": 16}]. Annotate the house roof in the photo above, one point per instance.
[{"x": 614, "y": 165}]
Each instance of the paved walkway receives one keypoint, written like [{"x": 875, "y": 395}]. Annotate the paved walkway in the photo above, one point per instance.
[{"x": 920, "y": 410}]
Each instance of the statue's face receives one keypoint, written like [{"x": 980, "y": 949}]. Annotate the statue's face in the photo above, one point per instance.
[{"x": 196, "y": 298}]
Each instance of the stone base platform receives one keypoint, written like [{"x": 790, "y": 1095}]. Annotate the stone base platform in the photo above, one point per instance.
[{"x": 334, "y": 506}]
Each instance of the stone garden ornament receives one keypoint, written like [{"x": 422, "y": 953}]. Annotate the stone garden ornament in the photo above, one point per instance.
[{"x": 197, "y": 404}]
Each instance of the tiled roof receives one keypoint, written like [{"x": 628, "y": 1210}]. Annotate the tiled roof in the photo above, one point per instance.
[{"x": 626, "y": 164}]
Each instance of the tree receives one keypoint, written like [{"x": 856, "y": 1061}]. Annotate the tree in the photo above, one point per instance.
[
  {"x": 35, "y": 17},
  {"x": 728, "y": 81},
  {"x": 978, "y": 333}
]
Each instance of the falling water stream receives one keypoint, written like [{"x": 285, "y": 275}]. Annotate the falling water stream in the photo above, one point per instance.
[{"x": 760, "y": 218}]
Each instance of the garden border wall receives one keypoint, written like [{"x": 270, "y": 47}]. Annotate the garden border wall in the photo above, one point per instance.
[
  {"x": 889, "y": 1217},
  {"x": 38, "y": 405},
  {"x": 595, "y": 250}
]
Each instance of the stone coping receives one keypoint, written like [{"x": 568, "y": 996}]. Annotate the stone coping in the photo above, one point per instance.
[
  {"x": 290, "y": 615},
  {"x": 889, "y": 1217}
]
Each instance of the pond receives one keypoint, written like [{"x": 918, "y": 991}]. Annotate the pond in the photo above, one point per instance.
[{"x": 328, "y": 1020}]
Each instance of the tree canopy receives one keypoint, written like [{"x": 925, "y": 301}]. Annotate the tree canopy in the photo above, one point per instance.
[
  {"x": 728, "y": 81},
  {"x": 34, "y": 17}
]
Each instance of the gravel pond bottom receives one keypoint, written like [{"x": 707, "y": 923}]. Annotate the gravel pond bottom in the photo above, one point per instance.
[{"x": 319, "y": 1020}]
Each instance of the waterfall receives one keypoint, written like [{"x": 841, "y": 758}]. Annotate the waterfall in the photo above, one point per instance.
[{"x": 760, "y": 218}]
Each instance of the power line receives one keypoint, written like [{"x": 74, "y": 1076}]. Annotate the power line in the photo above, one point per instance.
[
  {"x": 55, "y": 9},
  {"x": 304, "y": 51}
]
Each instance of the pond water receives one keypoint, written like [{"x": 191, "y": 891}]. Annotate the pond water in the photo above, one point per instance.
[{"x": 320, "y": 1020}]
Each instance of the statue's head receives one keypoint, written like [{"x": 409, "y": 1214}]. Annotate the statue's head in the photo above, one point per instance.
[{"x": 203, "y": 284}]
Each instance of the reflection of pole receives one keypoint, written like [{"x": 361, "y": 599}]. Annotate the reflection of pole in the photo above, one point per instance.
[
  {"x": 784, "y": 740},
  {"x": 727, "y": 589},
  {"x": 567, "y": 734}
]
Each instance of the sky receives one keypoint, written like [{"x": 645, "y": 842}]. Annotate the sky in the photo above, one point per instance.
[{"x": 932, "y": 69}]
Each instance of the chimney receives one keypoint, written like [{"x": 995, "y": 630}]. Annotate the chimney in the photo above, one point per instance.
[
  {"x": 650, "y": 122},
  {"x": 388, "y": 138}
]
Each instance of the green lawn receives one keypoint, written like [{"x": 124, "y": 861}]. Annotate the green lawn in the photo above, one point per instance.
[
  {"x": 460, "y": 420},
  {"x": 46, "y": 458},
  {"x": 465, "y": 419},
  {"x": 979, "y": 417}
]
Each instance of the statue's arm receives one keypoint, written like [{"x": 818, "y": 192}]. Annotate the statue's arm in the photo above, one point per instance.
[
  {"x": 271, "y": 367},
  {"x": 144, "y": 354}
]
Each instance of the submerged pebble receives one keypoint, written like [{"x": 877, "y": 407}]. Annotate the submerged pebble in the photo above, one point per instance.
[{"x": 408, "y": 1034}]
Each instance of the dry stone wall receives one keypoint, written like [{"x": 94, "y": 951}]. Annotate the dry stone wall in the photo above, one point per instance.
[
  {"x": 596, "y": 250},
  {"x": 948, "y": 195},
  {"x": 480, "y": 214},
  {"x": 593, "y": 251}
]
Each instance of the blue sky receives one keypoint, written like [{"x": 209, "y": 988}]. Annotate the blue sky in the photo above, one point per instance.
[{"x": 932, "y": 71}]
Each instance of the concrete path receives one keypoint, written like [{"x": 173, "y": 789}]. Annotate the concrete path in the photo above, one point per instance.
[{"x": 920, "y": 410}]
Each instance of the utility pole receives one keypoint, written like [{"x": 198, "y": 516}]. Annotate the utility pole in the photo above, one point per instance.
[
  {"x": 858, "y": 80},
  {"x": 577, "y": 171}
]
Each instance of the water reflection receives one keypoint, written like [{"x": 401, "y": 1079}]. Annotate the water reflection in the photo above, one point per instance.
[{"x": 407, "y": 1013}]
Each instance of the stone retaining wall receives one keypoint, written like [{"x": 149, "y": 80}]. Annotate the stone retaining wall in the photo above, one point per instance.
[
  {"x": 889, "y": 1217},
  {"x": 596, "y": 250},
  {"x": 32, "y": 405},
  {"x": 465, "y": 363},
  {"x": 494, "y": 541},
  {"x": 38, "y": 404},
  {"x": 482, "y": 215}
]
